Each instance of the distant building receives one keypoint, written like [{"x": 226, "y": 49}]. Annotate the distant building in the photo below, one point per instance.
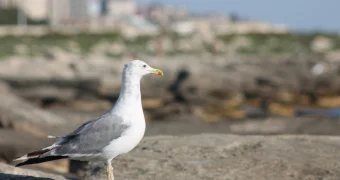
[
  {"x": 121, "y": 7},
  {"x": 82, "y": 11},
  {"x": 59, "y": 10},
  {"x": 245, "y": 27},
  {"x": 72, "y": 11},
  {"x": 78, "y": 8},
  {"x": 97, "y": 8},
  {"x": 183, "y": 27},
  {"x": 8, "y": 3},
  {"x": 114, "y": 14},
  {"x": 163, "y": 14},
  {"x": 34, "y": 9}
]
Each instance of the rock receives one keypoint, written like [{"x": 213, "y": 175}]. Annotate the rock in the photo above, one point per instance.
[
  {"x": 115, "y": 48},
  {"x": 166, "y": 44},
  {"x": 8, "y": 172},
  {"x": 329, "y": 102},
  {"x": 69, "y": 78},
  {"x": 212, "y": 156},
  {"x": 322, "y": 44},
  {"x": 14, "y": 144},
  {"x": 333, "y": 56},
  {"x": 238, "y": 43},
  {"x": 21, "y": 49},
  {"x": 281, "y": 109},
  {"x": 184, "y": 46},
  {"x": 18, "y": 114},
  {"x": 59, "y": 89},
  {"x": 154, "y": 103},
  {"x": 47, "y": 92},
  {"x": 285, "y": 97},
  {"x": 90, "y": 105},
  {"x": 4, "y": 87},
  {"x": 280, "y": 125}
]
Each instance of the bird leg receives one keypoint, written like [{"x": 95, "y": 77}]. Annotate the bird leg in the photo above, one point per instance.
[{"x": 109, "y": 170}]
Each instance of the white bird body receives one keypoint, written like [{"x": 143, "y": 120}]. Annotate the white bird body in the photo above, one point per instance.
[
  {"x": 112, "y": 134},
  {"x": 130, "y": 105}
]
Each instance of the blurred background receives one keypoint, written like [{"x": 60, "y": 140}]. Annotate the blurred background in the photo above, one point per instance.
[{"x": 244, "y": 67}]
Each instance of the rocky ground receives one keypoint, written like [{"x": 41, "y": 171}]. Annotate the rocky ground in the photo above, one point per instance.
[
  {"x": 190, "y": 124},
  {"x": 210, "y": 156},
  {"x": 219, "y": 95},
  {"x": 8, "y": 172},
  {"x": 212, "y": 87},
  {"x": 216, "y": 156}
]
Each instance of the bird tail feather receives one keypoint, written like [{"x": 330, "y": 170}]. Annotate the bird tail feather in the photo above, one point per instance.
[
  {"x": 40, "y": 160},
  {"x": 35, "y": 157}
]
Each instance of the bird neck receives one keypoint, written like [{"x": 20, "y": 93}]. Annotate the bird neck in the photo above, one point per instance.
[
  {"x": 130, "y": 96},
  {"x": 130, "y": 86}
]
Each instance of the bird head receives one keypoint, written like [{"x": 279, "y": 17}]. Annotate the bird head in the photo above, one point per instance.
[{"x": 140, "y": 68}]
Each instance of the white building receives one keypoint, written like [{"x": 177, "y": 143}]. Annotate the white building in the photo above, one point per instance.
[
  {"x": 8, "y": 3},
  {"x": 79, "y": 8},
  {"x": 34, "y": 9},
  {"x": 121, "y": 7},
  {"x": 58, "y": 10},
  {"x": 68, "y": 11}
]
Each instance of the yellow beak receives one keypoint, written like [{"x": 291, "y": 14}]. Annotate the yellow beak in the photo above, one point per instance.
[{"x": 157, "y": 71}]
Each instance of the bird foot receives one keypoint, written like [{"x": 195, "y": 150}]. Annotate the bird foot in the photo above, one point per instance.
[{"x": 109, "y": 171}]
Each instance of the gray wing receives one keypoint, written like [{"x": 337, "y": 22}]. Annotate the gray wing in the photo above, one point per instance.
[{"x": 91, "y": 137}]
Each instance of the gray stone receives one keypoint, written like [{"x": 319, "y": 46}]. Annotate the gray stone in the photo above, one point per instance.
[
  {"x": 14, "y": 144},
  {"x": 8, "y": 172},
  {"x": 19, "y": 114},
  {"x": 231, "y": 157}
]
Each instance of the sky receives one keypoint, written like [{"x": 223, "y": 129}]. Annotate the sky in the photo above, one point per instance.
[{"x": 300, "y": 15}]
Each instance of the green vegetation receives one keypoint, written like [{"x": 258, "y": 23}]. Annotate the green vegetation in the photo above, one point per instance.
[
  {"x": 36, "y": 45},
  {"x": 280, "y": 43},
  {"x": 83, "y": 44}
]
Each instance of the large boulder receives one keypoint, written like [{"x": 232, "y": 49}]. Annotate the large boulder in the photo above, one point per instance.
[
  {"x": 15, "y": 144},
  {"x": 228, "y": 157},
  {"x": 8, "y": 172},
  {"x": 20, "y": 115}
]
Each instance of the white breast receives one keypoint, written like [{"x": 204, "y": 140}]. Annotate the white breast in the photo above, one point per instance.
[
  {"x": 129, "y": 139},
  {"x": 129, "y": 108}
]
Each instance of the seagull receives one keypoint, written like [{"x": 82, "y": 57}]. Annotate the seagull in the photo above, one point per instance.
[{"x": 114, "y": 133}]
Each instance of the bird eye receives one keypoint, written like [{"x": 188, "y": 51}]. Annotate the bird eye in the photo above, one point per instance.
[{"x": 144, "y": 66}]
